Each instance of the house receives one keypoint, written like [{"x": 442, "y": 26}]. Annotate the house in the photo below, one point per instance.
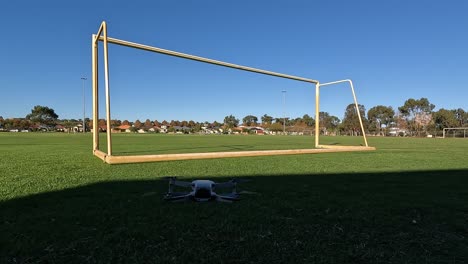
[
  {"x": 60, "y": 128},
  {"x": 395, "y": 131},
  {"x": 122, "y": 128},
  {"x": 163, "y": 129},
  {"x": 156, "y": 129},
  {"x": 181, "y": 129},
  {"x": 258, "y": 130}
]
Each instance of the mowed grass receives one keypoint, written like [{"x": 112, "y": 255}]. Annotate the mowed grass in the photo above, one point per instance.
[{"x": 407, "y": 202}]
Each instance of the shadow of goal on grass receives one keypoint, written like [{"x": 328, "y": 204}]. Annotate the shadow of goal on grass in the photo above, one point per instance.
[{"x": 363, "y": 217}]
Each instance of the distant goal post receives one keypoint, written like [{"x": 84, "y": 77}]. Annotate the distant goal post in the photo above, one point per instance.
[
  {"x": 454, "y": 129},
  {"x": 108, "y": 157}
]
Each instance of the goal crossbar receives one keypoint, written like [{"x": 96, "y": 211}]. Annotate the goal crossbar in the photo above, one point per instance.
[{"x": 101, "y": 36}]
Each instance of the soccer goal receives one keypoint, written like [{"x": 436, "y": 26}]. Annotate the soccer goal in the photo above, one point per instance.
[
  {"x": 456, "y": 132},
  {"x": 108, "y": 156}
]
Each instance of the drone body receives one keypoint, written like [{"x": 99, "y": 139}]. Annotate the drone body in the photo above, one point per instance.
[{"x": 202, "y": 191}]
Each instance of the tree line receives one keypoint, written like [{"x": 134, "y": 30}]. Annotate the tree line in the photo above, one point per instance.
[{"x": 415, "y": 117}]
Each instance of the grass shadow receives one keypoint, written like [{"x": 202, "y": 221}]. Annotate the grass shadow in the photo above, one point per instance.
[{"x": 400, "y": 217}]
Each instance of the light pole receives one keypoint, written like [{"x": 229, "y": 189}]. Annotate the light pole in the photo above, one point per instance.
[
  {"x": 284, "y": 111},
  {"x": 84, "y": 111}
]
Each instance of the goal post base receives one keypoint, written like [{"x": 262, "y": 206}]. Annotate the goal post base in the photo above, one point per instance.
[{"x": 216, "y": 155}]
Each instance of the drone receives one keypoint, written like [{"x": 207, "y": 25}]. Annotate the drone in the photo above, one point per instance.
[{"x": 203, "y": 191}]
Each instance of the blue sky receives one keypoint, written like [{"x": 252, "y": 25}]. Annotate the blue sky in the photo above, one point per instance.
[{"x": 392, "y": 50}]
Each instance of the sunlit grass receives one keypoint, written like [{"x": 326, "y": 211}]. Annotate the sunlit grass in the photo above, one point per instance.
[{"x": 405, "y": 202}]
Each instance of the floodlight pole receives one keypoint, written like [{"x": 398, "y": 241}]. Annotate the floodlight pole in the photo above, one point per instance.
[
  {"x": 355, "y": 103},
  {"x": 284, "y": 111},
  {"x": 84, "y": 109}
]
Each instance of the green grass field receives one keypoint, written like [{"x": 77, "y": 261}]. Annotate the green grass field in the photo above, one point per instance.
[{"x": 407, "y": 202}]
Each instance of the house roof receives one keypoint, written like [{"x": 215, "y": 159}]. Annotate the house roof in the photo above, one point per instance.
[{"x": 124, "y": 127}]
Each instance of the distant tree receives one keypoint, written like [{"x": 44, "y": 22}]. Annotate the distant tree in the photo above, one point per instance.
[
  {"x": 196, "y": 127},
  {"x": 125, "y": 123},
  {"x": 351, "y": 119},
  {"x": 165, "y": 123},
  {"x": 88, "y": 124},
  {"x": 266, "y": 119},
  {"x": 102, "y": 123},
  {"x": 380, "y": 115},
  {"x": 137, "y": 125},
  {"x": 231, "y": 121},
  {"x": 415, "y": 111},
  {"x": 276, "y": 127},
  {"x": 324, "y": 118},
  {"x": 174, "y": 123},
  {"x": 328, "y": 123},
  {"x": 43, "y": 115},
  {"x": 115, "y": 123},
  {"x": 68, "y": 124},
  {"x": 308, "y": 120},
  {"x": 445, "y": 119},
  {"x": 24, "y": 124},
  {"x": 192, "y": 124},
  {"x": 461, "y": 116},
  {"x": 215, "y": 124},
  {"x": 16, "y": 123},
  {"x": 156, "y": 123},
  {"x": 333, "y": 123},
  {"x": 250, "y": 120},
  {"x": 148, "y": 124}
]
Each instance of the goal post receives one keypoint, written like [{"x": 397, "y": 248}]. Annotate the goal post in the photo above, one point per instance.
[
  {"x": 454, "y": 129},
  {"x": 108, "y": 157},
  {"x": 356, "y": 105}
]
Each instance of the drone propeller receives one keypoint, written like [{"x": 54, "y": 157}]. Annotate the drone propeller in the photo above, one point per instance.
[
  {"x": 231, "y": 183},
  {"x": 226, "y": 199},
  {"x": 176, "y": 198},
  {"x": 173, "y": 181}
]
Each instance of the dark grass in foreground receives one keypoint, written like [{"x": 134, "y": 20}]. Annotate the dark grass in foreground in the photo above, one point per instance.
[{"x": 405, "y": 203}]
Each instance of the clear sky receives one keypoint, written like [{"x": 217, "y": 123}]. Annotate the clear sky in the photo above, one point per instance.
[{"x": 392, "y": 50}]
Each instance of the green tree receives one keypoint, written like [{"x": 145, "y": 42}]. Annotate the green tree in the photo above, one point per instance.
[
  {"x": 231, "y": 121},
  {"x": 250, "y": 120},
  {"x": 328, "y": 123},
  {"x": 380, "y": 115},
  {"x": 461, "y": 116},
  {"x": 333, "y": 123},
  {"x": 351, "y": 119},
  {"x": 43, "y": 115},
  {"x": 416, "y": 113},
  {"x": 276, "y": 127},
  {"x": 445, "y": 119},
  {"x": 266, "y": 119},
  {"x": 308, "y": 120},
  {"x": 215, "y": 124}
]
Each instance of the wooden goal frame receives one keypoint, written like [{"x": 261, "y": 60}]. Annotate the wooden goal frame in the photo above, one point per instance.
[{"x": 110, "y": 159}]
